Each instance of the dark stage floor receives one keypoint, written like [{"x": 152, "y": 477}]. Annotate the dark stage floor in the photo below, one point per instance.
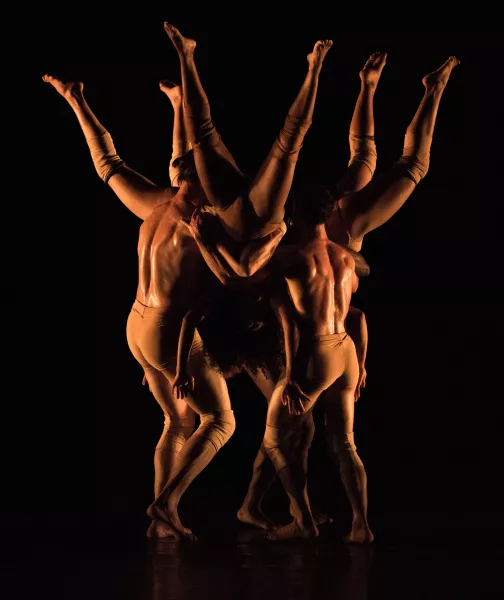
[{"x": 93, "y": 557}]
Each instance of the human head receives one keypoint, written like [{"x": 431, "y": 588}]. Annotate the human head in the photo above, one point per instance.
[
  {"x": 188, "y": 174},
  {"x": 309, "y": 205},
  {"x": 186, "y": 168}
]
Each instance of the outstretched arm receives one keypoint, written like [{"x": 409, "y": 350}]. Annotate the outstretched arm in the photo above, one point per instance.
[
  {"x": 356, "y": 326},
  {"x": 136, "y": 192}
]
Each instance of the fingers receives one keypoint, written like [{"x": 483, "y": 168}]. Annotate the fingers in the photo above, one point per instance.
[
  {"x": 181, "y": 389},
  {"x": 144, "y": 380}
]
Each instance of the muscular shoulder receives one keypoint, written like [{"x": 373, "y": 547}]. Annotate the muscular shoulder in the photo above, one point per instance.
[{"x": 338, "y": 253}]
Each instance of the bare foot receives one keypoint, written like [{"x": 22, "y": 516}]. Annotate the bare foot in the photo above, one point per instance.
[
  {"x": 292, "y": 531},
  {"x": 160, "y": 529},
  {"x": 373, "y": 68},
  {"x": 182, "y": 45},
  {"x": 316, "y": 57},
  {"x": 360, "y": 534},
  {"x": 256, "y": 519},
  {"x": 171, "y": 521},
  {"x": 172, "y": 90},
  {"x": 68, "y": 89},
  {"x": 438, "y": 79}
]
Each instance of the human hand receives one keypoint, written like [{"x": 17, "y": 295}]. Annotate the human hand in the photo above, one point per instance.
[
  {"x": 361, "y": 383},
  {"x": 145, "y": 382},
  {"x": 183, "y": 384},
  {"x": 294, "y": 398}
]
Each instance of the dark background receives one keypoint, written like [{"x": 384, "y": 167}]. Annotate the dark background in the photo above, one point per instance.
[{"x": 80, "y": 430}]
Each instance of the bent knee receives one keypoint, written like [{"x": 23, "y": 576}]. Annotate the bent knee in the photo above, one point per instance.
[{"x": 218, "y": 427}]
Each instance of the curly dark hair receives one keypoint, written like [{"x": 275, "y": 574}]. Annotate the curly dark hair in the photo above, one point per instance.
[
  {"x": 187, "y": 168},
  {"x": 310, "y": 202},
  {"x": 242, "y": 333}
]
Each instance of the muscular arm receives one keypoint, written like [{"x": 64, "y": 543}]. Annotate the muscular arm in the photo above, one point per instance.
[
  {"x": 356, "y": 326},
  {"x": 284, "y": 311},
  {"x": 186, "y": 338},
  {"x": 137, "y": 192},
  {"x": 184, "y": 382}
]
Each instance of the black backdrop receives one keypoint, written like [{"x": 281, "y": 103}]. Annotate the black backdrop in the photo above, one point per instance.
[{"x": 81, "y": 429}]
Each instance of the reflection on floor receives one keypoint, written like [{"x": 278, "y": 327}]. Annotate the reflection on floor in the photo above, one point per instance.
[{"x": 93, "y": 563}]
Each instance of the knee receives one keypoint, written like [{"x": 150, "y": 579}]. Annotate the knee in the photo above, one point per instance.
[
  {"x": 176, "y": 431},
  {"x": 363, "y": 150},
  {"x": 217, "y": 427},
  {"x": 271, "y": 443},
  {"x": 306, "y": 434},
  {"x": 343, "y": 446},
  {"x": 412, "y": 167}
]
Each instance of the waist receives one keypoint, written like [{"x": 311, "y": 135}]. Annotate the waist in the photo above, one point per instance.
[{"x": 165, "y": 311}]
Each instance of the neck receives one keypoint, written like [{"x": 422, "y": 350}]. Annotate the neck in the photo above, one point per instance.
[
  {"x": 318, "y": 232},
  {"x": 184, "y": 198}
]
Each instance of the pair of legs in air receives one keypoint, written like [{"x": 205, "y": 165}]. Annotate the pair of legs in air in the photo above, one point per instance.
[
  {"x": 365, "y": 202},
  {"x": 247, "y": 208}
]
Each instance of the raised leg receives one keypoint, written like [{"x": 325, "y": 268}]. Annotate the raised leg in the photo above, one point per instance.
[
  {"x": 363, "y": 155},
  {"x": 383, "y": 197},
  {"x": 135, "y": 191},
  {"x": 220, "y": 176},
  {"x": 270, "y": 188},
  {"x": 180, "y": 145}
]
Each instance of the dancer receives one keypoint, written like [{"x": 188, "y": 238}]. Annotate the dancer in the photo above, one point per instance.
[
  {"x": 172, "y": 276},
  {"x": 319, "y": 281}
]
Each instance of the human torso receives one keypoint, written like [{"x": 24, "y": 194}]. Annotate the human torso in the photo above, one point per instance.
[
  {"x": 320, "y": 276},
  {"x": 170, "y": 266}
]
